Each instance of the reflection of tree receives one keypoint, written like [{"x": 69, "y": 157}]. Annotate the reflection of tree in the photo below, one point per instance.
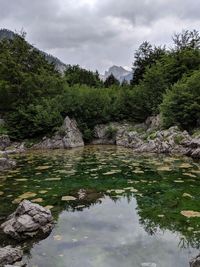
[{"x": 170, "y": 219}]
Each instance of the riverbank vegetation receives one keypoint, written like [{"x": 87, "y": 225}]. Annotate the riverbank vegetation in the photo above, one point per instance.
[{"x": 35, "y": 97}]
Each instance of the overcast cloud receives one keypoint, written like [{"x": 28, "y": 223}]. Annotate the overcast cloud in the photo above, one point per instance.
[{"x": 98, "y": 33}]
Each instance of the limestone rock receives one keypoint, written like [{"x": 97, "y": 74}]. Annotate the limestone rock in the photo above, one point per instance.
[
  {"x": 195, "y": 262},
  {"x": 10, "y": 255},
  {"x": 192, "y": 147},
  {"x": 27, "y": 221},
  {"x": 153, "y": 122},
  {"x": 69, "y": 136}
]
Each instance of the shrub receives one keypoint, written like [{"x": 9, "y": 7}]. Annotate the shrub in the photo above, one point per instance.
[{"x": 181, "y": 105}]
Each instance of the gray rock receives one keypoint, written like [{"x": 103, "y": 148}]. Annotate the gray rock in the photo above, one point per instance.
[
  {"x": 28, "y": 220},
  {"x": 10, "y": 255},
  {"x": 4, "y": 141},
  {"x": 69, "y": 136},
  {"x": 153, "y": 122},
  {"x": 192, "y": 147},
  {"x": 195, "y": 262}
]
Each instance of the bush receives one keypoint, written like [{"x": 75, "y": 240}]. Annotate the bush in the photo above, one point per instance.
[
  {"x": 181, "y": 104},
  {"x": 111, "y": 132},
  {"x": 33, "y": 120}
]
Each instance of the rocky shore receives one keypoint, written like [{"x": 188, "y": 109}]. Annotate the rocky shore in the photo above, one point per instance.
[
  {"x": 141, "y": 138},
  {"x": 148, "y": 137},
  {"x": 28, "y": 221}
]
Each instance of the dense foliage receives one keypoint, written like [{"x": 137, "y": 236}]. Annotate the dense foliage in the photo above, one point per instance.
[
  {"x": 35, "y": 97},
  {"x": 77, "y": 75},
  {"x": 181, "y": 105}
]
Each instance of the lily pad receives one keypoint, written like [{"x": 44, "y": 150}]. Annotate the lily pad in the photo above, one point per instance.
[
  {"x": 53, "y": 179},
  {"x": 43, "y": 191},
  {"x": 42, "y": 167},
  {"x": 49, "y": 207},
  {"x": 189, "y": 174},
  {"x": 24, "y": 196},
  {"x": 190, "y": 213},
  {"x": 187, "y": 195},
  {"x": 37, "y": 200},
  {"x": 57, "y": 237},
  {"x": 68, "y": 198}
]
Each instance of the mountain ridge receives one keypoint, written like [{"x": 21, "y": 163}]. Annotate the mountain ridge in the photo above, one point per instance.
[{"x": 59, "y": 65}]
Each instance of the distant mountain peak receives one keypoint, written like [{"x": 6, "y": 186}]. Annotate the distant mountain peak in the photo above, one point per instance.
[{"x": 119, "y": 72}]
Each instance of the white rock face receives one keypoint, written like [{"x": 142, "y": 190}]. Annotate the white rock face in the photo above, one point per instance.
[
  {"x": 10, "y": 255},
  {"x": 28, "y": 220},
  {"x": 69, "y": 136}
]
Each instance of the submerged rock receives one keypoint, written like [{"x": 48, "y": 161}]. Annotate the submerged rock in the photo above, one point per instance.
[
  {"x": 69, "y": 136},
  {"x": 4, "y": 141},
  {"x": 28, "y": 220},
  {"x": 10, "y": 255},
  {"x": 195, "y": 262},
  {"x": 6, "y": 163}
]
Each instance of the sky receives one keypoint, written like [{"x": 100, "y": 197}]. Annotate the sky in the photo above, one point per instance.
[{"x": 97, "y": 34}]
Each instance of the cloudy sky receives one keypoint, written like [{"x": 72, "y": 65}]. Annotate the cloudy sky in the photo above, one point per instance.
[{"x": 98, "y": 33}]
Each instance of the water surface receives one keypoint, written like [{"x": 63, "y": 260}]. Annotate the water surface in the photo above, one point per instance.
[{"x": 112, "y": 207}]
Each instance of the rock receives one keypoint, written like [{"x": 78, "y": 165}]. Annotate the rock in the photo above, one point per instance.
[
  {"x": 101, "y": 134},
  {"x": 153, "y": 122},
  {"x": 195, "y": 262},
  {"x": 4, "y": 141},
  {"x": 69, "y": 136},
  {"x": 128, "y": 139},
  {"x": 192, "y": 147},
  {"x": 28, "y": 220},
  {"x": 10, "y": 255},
  {"x": 6, "y": 163}
]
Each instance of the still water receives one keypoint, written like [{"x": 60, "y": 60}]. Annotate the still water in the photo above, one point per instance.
[{"x": 112, "y": 208}]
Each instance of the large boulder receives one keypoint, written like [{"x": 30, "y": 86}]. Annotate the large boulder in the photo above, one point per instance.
[
  {"x": 68, "y": 136},
  {"x": 4, "y": 141},
  {"x": 195, "y": 262},
  {"x": 192, "y": 147},
  {"x": 6, "y": 163},
  {"x": 28, "y": 220},
  {"x": 10, "y": 255}
]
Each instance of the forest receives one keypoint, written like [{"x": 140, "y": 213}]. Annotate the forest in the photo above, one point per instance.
[{"x": 35, "y": 97}]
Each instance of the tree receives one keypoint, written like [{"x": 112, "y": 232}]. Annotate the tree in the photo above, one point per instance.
[
  {"x": 186, "y": 39},
  {"x": 77, "y": 75},
  {"x": 110, "y": 81},
  {"x": 26, "y": 79},
  {"x": 145, "y": 57},
  {"x": 181, "y": 104}
]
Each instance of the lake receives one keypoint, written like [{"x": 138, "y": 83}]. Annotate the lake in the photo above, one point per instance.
[{"x": 112, "y": 207}]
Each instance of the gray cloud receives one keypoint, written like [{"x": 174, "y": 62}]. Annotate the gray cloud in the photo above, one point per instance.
[{"x": 98, "y": 33}]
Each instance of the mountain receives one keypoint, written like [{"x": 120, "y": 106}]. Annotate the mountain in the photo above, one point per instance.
[
  {"x": 60, "y": 66},
  {"x": 119, "y": 72}
]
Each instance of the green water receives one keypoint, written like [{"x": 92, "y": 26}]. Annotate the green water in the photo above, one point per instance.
[{"x": 125, "y": 209}]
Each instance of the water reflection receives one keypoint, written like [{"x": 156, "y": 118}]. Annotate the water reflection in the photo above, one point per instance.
[{"x": 113, "y": 208}]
